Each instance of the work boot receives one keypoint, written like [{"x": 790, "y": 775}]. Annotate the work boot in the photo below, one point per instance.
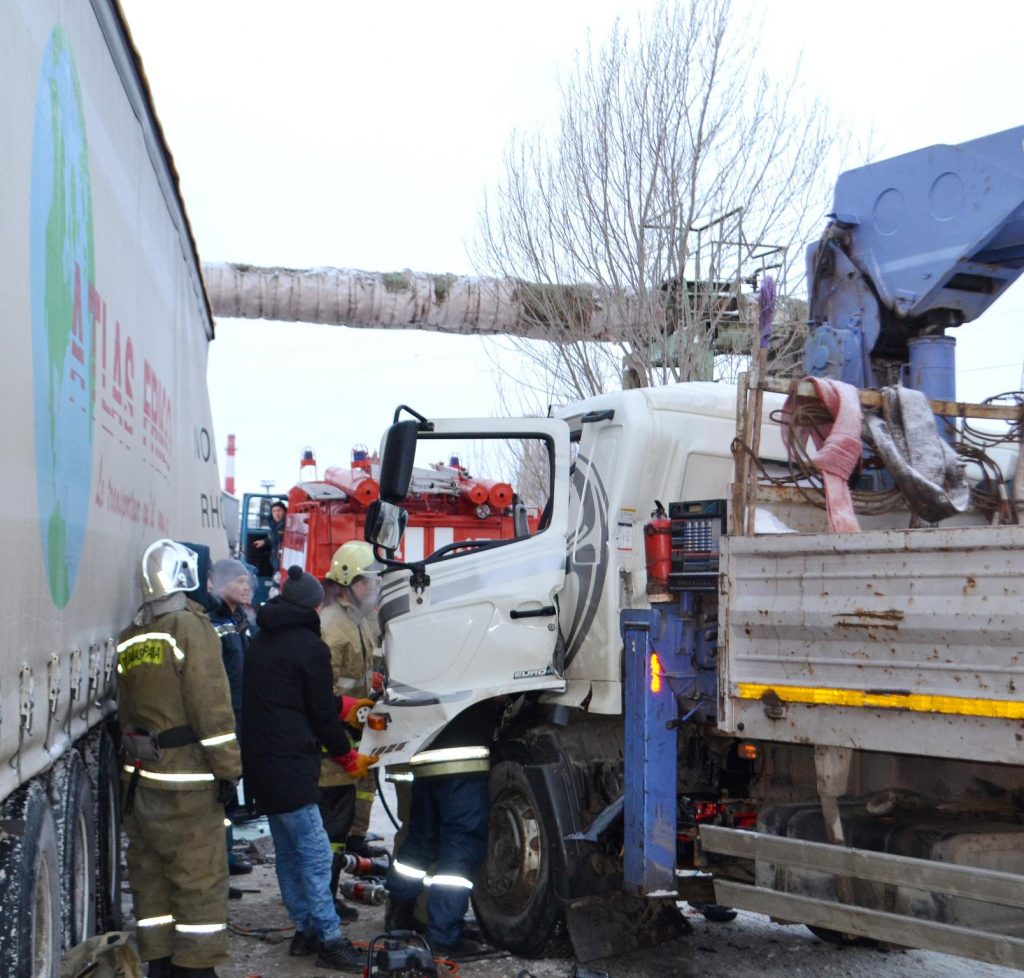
[
  {"x": 160, "y": 968},
  {"x": 345, "y": 911},
  {"x": 180, "y": 971},
  {"x": 303, "y": 942},
  {"x": 465, "y": 950},
  {"x": 358, "y": 846},
  {"x": 401, "y": 916},
  {"x": 341, "y": 955},
  {"x": 239, "y": 867}
]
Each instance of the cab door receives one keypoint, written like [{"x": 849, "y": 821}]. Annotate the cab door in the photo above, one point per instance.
[{"x": 480, "y": 621}]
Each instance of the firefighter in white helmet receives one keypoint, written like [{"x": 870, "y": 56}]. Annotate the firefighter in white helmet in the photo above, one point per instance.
[{"x": 181, "y": 758}]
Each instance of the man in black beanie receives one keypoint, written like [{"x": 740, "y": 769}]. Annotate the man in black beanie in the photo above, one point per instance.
[{"x": 288, "y": 712}]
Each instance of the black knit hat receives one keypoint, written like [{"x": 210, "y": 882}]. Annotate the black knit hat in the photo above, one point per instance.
[{"x": 302, "y": 589}]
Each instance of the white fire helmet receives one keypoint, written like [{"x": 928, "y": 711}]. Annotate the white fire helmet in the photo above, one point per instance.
[{"x": 168, "y": 566}]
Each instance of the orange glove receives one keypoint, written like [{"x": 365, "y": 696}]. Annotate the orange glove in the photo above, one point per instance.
[
  {"x": 354, "y": 711},
  {"x": 377, "y": 684},
  {"x": 356, "y": 764}
]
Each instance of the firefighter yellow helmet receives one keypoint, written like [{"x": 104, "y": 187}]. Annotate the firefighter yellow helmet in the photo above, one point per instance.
[{"x": 351, "y": 560}]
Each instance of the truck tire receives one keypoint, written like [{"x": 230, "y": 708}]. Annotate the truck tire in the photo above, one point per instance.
[
  {"x": 30, "y": 918},
  {"x": 513, "y": 898},
  {"x": 108, "y": 828},
  {"x": 76, "y": 822}
]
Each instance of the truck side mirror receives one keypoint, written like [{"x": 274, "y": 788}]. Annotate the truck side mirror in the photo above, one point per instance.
[
  {"x": 397, "y": 461},
  {"x": 385, "y": 524}
]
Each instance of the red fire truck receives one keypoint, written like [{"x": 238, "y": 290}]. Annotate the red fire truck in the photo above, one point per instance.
[{"x": 445, "y": 505}]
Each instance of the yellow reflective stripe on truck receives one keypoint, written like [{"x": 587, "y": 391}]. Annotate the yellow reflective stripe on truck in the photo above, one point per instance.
[{"x": 917, "y": 702}]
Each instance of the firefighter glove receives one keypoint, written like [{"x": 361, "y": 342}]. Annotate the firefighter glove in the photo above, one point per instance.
[
  {"x": 356, "y": 764},
  {"x": 354, "y": 711}
]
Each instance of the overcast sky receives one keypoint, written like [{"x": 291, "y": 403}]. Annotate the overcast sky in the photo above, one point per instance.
[{"x": 363, "y": 135}]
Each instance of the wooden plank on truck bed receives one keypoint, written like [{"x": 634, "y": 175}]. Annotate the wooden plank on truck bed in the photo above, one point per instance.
[
  {"x": 876, "y": 924},
  {"x": 873, "y": 399},
  {"x": 971, "y": 882}
]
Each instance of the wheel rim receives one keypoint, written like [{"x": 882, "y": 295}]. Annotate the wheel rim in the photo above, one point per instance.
[
  {"x": 43, "y": 921},
  {"x": 515, "y": 851}
]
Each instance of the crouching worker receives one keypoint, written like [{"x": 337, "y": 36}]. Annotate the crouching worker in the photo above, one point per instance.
[
  {"x": 447, "y": 833},
  {"x": 288, "y": 712},
  {"x": 182, "y": 759}
]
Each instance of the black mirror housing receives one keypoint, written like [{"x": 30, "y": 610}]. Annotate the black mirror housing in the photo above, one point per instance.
[{"x": 397, "y": 462}]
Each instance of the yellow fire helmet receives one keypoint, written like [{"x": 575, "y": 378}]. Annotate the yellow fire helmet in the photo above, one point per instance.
[{"x": 351, "y": 560}]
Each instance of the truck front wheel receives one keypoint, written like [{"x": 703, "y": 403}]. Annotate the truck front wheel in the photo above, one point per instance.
[{"x": 513, "y": 898}]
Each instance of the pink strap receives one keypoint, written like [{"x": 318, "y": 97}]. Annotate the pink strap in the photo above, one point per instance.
[{"x": 839, "y": 451}]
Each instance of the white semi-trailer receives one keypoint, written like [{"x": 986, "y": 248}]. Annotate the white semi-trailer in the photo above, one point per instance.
[{"x": 106, "y": 444}]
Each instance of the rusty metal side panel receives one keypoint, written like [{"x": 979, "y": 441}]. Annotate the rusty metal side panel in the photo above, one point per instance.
[{"x": 909, "y": 641}]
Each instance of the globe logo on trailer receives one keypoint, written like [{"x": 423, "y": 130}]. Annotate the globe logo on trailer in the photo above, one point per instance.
[{"x": 62, "y": 269}]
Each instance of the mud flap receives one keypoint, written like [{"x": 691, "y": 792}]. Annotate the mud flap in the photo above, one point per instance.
[{"x": 615, "y": 923}]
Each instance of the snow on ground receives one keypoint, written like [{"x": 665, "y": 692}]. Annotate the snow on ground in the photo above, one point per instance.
[{"x": 751, "y": 946}]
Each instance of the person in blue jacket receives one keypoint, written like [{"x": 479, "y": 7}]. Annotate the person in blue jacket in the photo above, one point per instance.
[{"x": 230, "y": 587}]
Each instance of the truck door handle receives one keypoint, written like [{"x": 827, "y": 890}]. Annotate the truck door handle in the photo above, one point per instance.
[{"x": 546, "y": 612}]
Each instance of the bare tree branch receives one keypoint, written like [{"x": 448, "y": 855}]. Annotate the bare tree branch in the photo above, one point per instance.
[{"x": 679, "y": 176}]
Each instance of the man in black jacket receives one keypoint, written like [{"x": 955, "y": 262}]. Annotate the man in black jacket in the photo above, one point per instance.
[{"x": 288, "y": 712}]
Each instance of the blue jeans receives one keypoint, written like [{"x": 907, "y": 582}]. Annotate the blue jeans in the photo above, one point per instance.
[
  {"x": 446, "y": 845},
  {"x": 302, "y": 855}
]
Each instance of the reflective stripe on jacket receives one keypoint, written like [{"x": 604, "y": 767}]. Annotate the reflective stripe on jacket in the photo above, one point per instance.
[
  {"x": 441, "y": 762},
  {"x": 438, "y": 879},
  {"x": 170, "y": 674}
]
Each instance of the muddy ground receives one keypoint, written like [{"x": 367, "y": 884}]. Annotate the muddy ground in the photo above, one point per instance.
[{"x": 749, "y": 947}]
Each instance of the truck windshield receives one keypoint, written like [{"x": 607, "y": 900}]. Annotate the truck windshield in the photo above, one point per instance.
[{"x": 477, "y": 491}]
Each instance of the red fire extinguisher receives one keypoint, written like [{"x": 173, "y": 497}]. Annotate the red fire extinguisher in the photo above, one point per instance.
[{"x": 658, "y": 547}]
